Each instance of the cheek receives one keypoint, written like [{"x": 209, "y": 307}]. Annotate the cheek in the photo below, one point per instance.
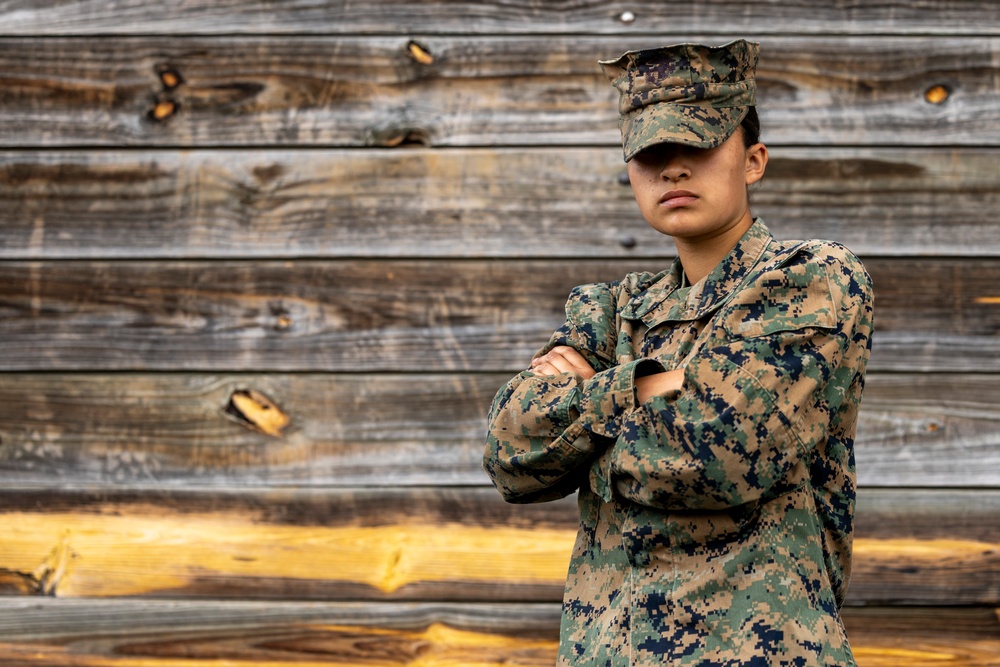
[
  {"x": 645, "y": 195},
  {"x": 639, "y": 182}
]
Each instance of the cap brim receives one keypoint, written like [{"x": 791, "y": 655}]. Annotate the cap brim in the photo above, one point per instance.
[{"x": 688, "y": 124}]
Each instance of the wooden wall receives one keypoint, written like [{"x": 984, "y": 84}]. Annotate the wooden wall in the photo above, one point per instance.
[{"x": 265, "y": 264}]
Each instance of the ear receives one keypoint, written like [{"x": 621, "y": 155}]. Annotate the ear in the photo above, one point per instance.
[{"x": 756, "y": 163}]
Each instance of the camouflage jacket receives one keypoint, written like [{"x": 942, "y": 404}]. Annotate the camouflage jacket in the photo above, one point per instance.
[{"x": 715, "y": 522}]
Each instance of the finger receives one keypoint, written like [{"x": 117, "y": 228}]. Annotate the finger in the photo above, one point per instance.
[
  {"x": 557, "y": 364},
  {"x": 562, "y": 359},
  {"x": 545, "y": 368},
  {"x": 577, "y": 363},
  {"x": 551, "y": 363}
]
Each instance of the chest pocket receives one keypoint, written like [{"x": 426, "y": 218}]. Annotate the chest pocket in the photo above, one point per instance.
[{"x": 796, "y": 295}]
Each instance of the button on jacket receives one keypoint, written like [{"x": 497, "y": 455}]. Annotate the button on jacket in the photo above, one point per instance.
[{"x": 716, "y": 521}]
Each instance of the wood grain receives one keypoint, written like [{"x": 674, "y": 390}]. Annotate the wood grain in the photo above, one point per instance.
[
  {"x": 389, "y": 430},
  {"x": 420, "y": 316},
  {"x": 824, "y": 17},
  {"x": 52, "y": 632},
  {"x": 89, "y": 633},
  {"x": 244, "y": 364},
  {"x": 422, "y": 544},
  {"x": 924, "y": 637},
  {"x": 524, "y": 90},
  {"x": 519, "y": 202},
  {"x": 244, "y": 634}
]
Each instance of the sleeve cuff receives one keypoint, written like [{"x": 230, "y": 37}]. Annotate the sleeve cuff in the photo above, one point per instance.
[{"x": 611, "y": 394}]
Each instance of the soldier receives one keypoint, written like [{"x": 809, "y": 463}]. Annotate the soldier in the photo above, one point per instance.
[{"x": 705, "y": 414}]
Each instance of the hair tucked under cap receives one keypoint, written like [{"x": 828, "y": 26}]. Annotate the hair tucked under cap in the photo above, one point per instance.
[{"x": 689, "y": 94}]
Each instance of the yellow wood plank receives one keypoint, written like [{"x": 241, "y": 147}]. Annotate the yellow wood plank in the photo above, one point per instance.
[
  {"x": 157, "y": 553},
  {"x": 98, "y": 556}
]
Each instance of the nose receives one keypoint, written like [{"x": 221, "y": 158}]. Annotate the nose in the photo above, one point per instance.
[{"x": 674, "y": 168}]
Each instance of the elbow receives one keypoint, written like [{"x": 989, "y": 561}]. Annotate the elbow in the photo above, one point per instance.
[
  {"x": 518, "y": 483},
  {"x": 504, "y": 482}
]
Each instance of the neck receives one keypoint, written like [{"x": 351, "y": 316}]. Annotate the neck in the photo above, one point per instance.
[{"x": 700, "y": 255}]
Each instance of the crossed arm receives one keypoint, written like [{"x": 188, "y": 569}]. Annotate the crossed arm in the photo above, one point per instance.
[{"x": 563, "y": 359}]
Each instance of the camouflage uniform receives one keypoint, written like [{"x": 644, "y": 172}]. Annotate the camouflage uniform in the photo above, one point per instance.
[{"x": 715, "y": 522}]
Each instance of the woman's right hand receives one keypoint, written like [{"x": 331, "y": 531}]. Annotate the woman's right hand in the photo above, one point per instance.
[{"x": 562, "y": 359}]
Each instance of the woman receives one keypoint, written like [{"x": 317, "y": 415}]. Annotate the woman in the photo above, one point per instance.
[{"x": 706, "y": 414}]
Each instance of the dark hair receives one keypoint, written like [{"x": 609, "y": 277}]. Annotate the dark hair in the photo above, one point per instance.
[{"x": 751, "y": 127}]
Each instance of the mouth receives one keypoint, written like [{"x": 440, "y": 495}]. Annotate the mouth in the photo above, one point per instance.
[{"x": 676, "y": 198}]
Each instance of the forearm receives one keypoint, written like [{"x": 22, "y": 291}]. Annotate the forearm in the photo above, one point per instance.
[
  {"x": 659, "y": 384},
  {"x": 533, "y": 450},
  {"x": 736, "y": 429}
]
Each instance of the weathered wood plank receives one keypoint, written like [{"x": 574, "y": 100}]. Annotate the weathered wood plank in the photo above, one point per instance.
[
  {"x": 182, "y": 430},
  {"x": 824, "y": 17},
  {"x": 420, "y": 316},
  {"x": 924, "y": 637},
  {"x": 917, "y": 523},
  {"x": 121, "y": 633},
  {"x": 466, "y": 203},
  {"x": 390, "y": 430},
  {"x": 354, "y": 91},
  {"x": 923, "y": 547},
  {"x": 129, "y": 633}
]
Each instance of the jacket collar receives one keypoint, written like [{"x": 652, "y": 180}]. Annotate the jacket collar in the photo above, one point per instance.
[{"x": 666, "y": 300}]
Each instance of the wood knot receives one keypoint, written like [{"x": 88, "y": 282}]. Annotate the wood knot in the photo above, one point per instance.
[
  {"x": 258, "y": 412},
  {"x": 163, "y": 108},
  {"x": 937, "y": 94},
  {"x": 399, "y": 136},
  {"x": 419, "y": 53},
  {"x": 170, "y": 78}
]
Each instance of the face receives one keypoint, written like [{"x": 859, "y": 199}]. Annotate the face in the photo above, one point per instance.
[{"x": 697, "y": 194}]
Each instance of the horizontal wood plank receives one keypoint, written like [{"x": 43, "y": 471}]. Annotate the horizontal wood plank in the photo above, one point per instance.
[
  {"x": 187, "y": 430},
  {"x": 921, "y": 547},
  {"x": 127, "y": 633},
  {"x": 372, "y": 91},
  {"x": 825, "y": 17},
  {"x": 466, "y": 203},
  {"x": 419, "y": 316}
]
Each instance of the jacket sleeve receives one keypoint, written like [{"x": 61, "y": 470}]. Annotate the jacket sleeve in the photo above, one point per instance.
[
  {"x": 538, "y": 447},
  {"x": 760, "y": 398}
]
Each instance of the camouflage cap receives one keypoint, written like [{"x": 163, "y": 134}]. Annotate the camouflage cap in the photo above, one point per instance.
[{"x": 686, "y": 93}]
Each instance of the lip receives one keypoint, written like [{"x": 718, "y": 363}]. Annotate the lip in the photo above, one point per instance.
[{"x": 678, "y": 198}]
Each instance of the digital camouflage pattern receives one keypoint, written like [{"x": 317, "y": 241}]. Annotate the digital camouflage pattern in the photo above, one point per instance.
[
  {"x": 687, "y": 93},
  {"x": 715, "y": 522}
]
